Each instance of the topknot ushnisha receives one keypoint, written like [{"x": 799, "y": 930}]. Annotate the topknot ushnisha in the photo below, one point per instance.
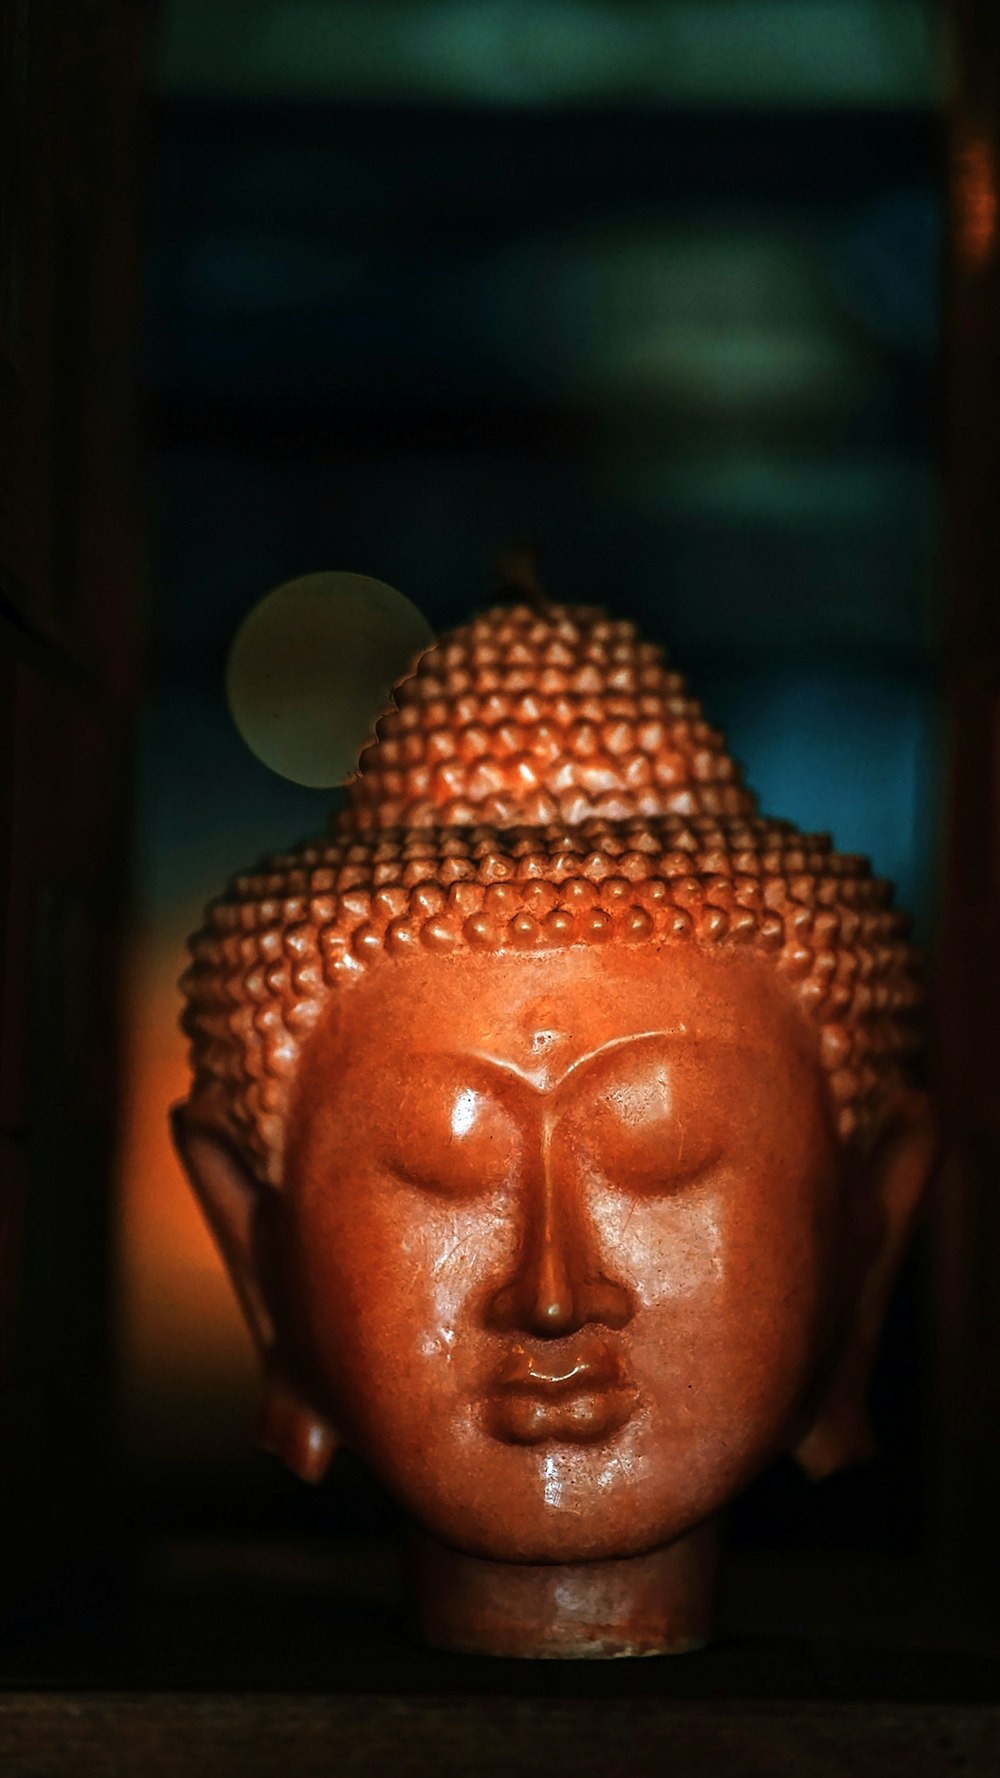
[
  {"x": 541, "y": 778},
  {"x": 532, "y": 717}
]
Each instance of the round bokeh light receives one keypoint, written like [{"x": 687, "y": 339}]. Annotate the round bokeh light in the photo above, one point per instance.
[{"x": 311, "y": 668}]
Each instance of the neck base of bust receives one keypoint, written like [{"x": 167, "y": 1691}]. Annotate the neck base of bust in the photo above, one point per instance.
[{"x": 658, "y": 1603}]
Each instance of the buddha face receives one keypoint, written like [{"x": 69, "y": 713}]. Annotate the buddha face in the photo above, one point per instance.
[{"x": 561, "y": 1242}]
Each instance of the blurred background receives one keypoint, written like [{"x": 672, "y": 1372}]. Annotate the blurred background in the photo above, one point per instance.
[
  {"x": 699, "y": 296},
  {"x": 655, "y": 285}
]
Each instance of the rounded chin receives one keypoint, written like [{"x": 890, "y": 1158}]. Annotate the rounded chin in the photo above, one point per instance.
[{"x": 549, "y": 1549}]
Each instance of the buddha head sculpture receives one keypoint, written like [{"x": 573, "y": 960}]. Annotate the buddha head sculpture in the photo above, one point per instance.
[{"x": 554, "y": 1119}]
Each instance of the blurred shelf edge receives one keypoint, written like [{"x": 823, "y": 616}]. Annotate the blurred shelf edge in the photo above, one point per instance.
[{"x": 107, "y": 1736}]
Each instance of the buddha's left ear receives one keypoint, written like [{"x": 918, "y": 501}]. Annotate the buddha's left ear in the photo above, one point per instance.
[
  {"x": 893, "y": 1178},
  {"x": 233, "y": 1202}
]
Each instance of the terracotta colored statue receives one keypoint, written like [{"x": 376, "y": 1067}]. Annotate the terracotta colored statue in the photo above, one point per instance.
[{"x": 553, "y": 1118}]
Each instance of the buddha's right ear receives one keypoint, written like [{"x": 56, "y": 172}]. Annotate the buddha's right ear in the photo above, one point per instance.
[{"x": 232, "y": 1200}]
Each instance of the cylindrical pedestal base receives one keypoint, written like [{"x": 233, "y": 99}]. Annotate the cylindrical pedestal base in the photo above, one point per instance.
[{"x": 660, "y": 1603}]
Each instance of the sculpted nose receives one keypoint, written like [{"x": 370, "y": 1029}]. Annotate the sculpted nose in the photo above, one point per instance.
[
  {"x": 548, "y": 1297},
  {"x": 558, "y": 1285}
]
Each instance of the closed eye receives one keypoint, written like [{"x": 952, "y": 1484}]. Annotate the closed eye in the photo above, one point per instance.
[{"x": 652, "y": 1175}]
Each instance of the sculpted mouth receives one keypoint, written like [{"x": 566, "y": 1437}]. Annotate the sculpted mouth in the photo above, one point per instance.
[{"x": 577, "y": 1395}]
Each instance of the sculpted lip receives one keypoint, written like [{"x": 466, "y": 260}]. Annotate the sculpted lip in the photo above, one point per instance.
[{"x": 576, "y": 1396}]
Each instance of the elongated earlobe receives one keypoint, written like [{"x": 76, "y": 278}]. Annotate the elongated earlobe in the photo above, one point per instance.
[
  {"x": 896, "y": 1175},
  {"x": 291, "y": 1429},
  {"x": 231, "y": 1200}
]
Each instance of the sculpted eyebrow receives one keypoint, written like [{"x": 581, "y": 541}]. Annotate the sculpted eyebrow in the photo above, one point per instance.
[
  {"x": 492, "y": 1064},
  {"x": 511, "y": 1069}
]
